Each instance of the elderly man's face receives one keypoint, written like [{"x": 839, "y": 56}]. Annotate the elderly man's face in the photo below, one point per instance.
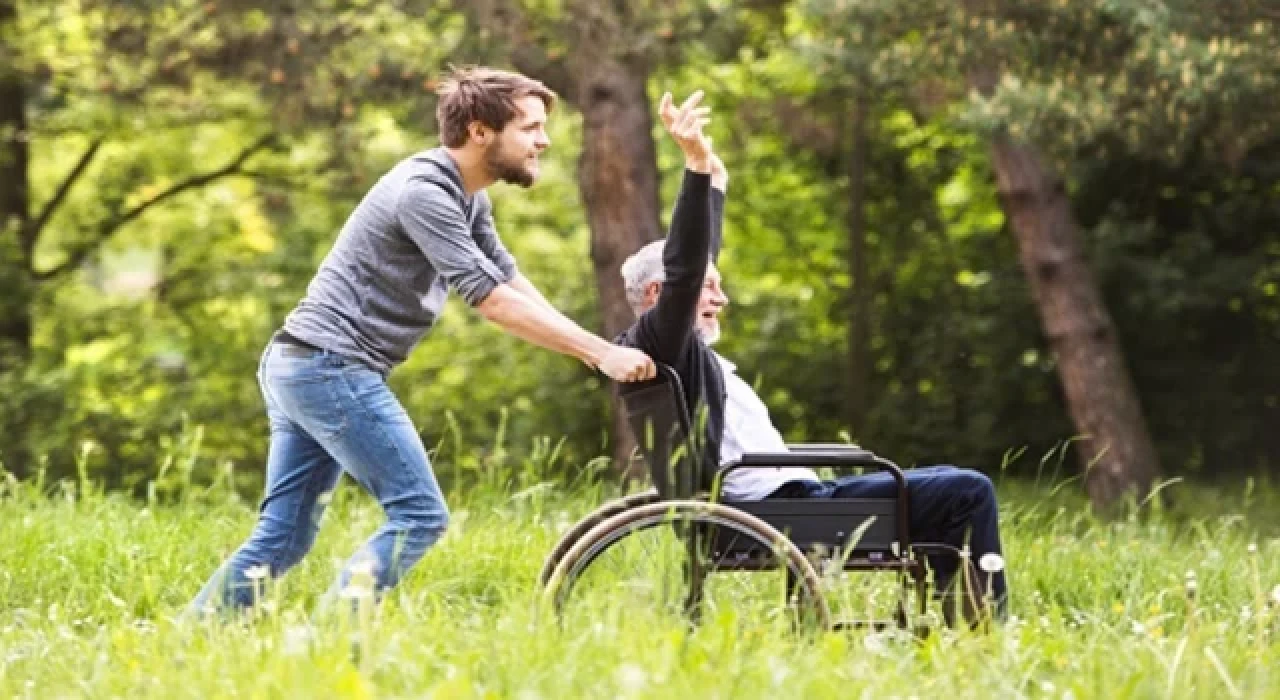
[{"x": 710, "y": 304}]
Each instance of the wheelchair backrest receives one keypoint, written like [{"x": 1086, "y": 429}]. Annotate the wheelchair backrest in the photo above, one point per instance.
[{"x": 659, "y": 419}]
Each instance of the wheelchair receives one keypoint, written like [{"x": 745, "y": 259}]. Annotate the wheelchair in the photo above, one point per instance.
[{"x": 665, "y": 547}]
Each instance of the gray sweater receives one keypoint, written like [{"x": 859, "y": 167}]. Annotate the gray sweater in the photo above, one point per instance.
[{"x": 414, "y": 236}]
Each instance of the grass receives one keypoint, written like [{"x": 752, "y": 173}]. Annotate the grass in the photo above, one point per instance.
[{"x": 91, "y": 585}]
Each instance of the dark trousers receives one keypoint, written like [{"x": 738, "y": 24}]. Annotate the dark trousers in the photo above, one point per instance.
[{"x": 948, "y": 506}]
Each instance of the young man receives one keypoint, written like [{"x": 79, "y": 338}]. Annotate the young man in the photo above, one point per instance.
[
  {"x": 424, "y": 229},
  {"x": 674, "y": 288}
]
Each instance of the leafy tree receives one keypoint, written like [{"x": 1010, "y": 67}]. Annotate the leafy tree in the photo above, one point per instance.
[{"x": 1064, "y": 76}]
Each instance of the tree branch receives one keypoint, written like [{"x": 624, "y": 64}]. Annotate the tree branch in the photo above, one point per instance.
[
  {"x": 114, "y": 223},
  {"x": 37, "y": 225},
  {"x": 51, "y": 127}
]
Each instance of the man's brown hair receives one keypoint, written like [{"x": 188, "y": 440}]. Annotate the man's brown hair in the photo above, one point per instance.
[{"x": 474, "y": 93}]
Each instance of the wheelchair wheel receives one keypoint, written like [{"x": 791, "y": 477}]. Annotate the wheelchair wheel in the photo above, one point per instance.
[
  {"x": 599, "y": 515},
  {"x": 687, "y": 559}
]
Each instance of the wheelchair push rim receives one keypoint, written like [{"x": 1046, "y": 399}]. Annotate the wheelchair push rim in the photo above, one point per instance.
[{"x": 683, "y": 564}]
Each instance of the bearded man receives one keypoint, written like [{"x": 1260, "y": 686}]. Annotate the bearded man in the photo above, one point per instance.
[{"x": 424, "y": 229}]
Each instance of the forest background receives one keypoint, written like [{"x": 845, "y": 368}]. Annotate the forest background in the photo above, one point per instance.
[{"x": 1038, "y": 238}]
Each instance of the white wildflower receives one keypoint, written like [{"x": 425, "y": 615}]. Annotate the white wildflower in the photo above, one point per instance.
[
  {"x": 356, "y": 592},
  {"x": 779, "y": 671},
  {"x": 296, "y": 639},
  {"x": 991, "y": 563},
  {"x": 632, "y": 677},
  {"x": 874, "y": 643},
  {"x": 257, "y": 573},
  {"x": 364, "y": 567}
]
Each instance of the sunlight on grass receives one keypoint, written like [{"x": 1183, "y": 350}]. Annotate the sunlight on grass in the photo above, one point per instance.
[{"x": 1162, "y": 603}]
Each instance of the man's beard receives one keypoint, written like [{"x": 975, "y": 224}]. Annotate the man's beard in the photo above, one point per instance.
[
  {"x": 709, "y": 336},
  {"x": 505, "y": 169}
]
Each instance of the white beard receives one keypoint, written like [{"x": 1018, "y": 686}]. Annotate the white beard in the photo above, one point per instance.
[{"x": 709, "y": 337}]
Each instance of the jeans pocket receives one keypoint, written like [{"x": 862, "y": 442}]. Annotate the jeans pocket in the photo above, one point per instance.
[{"x": 310, "y": 399}]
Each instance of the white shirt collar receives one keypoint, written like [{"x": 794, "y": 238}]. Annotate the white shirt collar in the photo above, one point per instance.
[{"x": 725, "y": 364}]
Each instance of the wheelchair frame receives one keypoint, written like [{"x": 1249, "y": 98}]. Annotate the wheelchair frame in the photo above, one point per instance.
[{"x": 867, "y": 535}]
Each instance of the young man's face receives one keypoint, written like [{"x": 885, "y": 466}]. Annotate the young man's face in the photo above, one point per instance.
[{"x": 513, "y": 154}]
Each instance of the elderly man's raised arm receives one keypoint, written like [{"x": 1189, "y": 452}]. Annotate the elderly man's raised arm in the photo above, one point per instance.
[{"x": 667, "y": 328}]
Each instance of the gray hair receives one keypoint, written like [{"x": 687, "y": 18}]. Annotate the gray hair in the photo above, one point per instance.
[{"x": 640, "y": 270}]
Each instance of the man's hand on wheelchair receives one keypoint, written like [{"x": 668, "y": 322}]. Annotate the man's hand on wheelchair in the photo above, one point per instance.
[
  {"x": 624, "y": 364},
  {"x": 685, "y": 124}
]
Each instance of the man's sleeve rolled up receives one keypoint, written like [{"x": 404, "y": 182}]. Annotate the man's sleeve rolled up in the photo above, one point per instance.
[{"x": 436, "y": 223}]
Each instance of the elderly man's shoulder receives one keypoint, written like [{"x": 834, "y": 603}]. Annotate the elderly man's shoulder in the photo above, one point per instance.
[{"x": 630, "y": 337}]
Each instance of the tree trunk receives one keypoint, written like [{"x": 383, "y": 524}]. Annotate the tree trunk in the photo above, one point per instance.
[
  {"x": 618, "y": 178},
  {"x": 1117, "y": 451},
  {"x": 16, "y": 240},
  {"x": 860, "y": 279}
]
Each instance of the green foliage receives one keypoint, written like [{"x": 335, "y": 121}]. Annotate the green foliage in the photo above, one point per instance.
[{"x": 1154, "y": 114}]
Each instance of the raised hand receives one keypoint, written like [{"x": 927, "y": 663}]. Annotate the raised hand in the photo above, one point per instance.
[{"x": 685, "y": 124}]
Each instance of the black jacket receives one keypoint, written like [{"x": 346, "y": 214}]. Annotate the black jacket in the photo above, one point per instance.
[{"x": 666, "y": 331}]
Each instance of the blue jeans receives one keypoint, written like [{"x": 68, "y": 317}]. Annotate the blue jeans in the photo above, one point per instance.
[
  {"x": 947, "y": 506},
  {"x": 329, "y": 414}
]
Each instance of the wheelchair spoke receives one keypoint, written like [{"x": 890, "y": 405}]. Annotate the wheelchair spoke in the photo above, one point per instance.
[{"x": 684, "y": 564}]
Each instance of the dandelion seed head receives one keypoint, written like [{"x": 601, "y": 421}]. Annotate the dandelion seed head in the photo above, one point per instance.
[{"x": 991, "y": 562}]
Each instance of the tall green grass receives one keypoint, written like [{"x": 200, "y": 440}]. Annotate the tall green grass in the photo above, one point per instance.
[{"x": 1177, "y": 600}]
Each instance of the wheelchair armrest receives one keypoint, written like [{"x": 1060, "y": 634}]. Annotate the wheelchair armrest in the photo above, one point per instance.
[
  {"x": 847, "y": 457},
  {"x": 820, "y": 446}
]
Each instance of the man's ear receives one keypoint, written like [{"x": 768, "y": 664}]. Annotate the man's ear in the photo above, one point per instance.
[
  {"x": 479, "y": 133},
  {"x": 651, "y": 291}
]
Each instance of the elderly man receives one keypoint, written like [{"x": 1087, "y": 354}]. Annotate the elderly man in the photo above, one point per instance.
[{"x": 675, "y": 290}]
